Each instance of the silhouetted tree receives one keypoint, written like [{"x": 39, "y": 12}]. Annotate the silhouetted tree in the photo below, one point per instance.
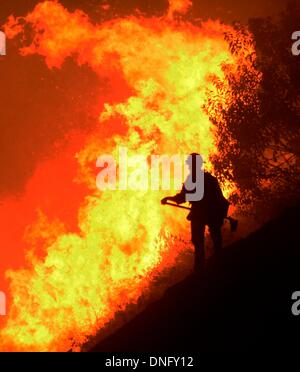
[{"x": 259, "y": 132}]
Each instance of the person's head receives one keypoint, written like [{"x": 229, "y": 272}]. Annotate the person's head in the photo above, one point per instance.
[
  {"x": 194, "y": 184},
  {"x": 194, "y": 162}
]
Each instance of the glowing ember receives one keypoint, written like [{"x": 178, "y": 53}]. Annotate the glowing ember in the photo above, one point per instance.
[{"x": 167, "y": 70}]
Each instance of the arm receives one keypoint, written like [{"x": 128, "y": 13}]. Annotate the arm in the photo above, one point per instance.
[{"x": 178, "y": 198}]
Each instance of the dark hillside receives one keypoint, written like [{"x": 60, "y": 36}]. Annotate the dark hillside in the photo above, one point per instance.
[{"x": 241, "y": 302}]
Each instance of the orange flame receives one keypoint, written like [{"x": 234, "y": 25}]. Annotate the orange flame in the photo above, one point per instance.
[
  {"x": 178, "y": 6},
  {"x": 167, "y": 70}
]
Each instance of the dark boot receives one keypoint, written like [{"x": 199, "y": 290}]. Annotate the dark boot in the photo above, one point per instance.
[
  {"x": 216, "y": 236},
  {"x": 199, "y": 259}
]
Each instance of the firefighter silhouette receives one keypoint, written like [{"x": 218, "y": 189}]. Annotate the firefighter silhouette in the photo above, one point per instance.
[{"x": 209, "y": 211}]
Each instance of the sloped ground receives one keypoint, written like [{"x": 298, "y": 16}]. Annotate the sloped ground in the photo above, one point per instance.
[{"x": 242, "y": 301}]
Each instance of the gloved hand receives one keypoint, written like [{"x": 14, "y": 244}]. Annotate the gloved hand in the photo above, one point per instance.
[{"x": 164, "y": 200}]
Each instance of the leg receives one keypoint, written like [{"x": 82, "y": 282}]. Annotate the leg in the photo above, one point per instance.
[
  {"x": 216, "y": 235},
  {"x": 198, "y": 230}
]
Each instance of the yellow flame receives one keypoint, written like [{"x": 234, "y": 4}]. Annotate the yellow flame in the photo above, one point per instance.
[{"x": 170, "y": 69}]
